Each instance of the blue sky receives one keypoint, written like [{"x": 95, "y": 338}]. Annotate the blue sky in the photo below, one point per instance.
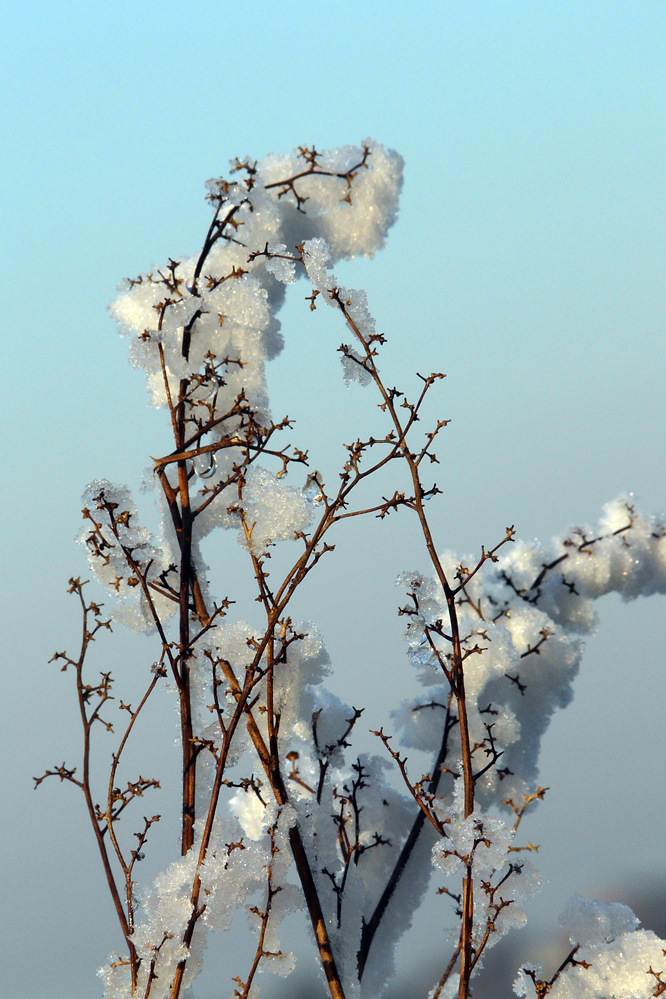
[{"x": 527, "y": 263}]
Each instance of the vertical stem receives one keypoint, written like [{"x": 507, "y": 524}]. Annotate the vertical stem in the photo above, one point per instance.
[
  {"x": 458, "y": 684},
  {"x": 303, "y": 867},
  {"x": 123, "y": 917},
  {"x": 185, "y": 541},
  {"x": 467, "y": 925},
  {"x": 466, "y": 934},
  {"x": 316, "y": 915},
  {"x": 370, "y": 927}
]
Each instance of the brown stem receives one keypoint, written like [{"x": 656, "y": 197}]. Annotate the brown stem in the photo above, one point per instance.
[
  {"x": 316, "y": 915},
  {"x": 372, "y": 925},
  {"x": 271, "y": 767},
  {"x": 457, "y": 657},
  {"x": 127, "y": 869},
  {"x": 186, "y": 729},
  {"x": 85, "y": 784},
  {"x": 302, "y": 865}
]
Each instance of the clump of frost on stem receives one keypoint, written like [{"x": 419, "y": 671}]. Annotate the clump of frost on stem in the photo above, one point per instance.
[
  {"x": 535, "y": 603},
  {"x": 274, "y": 510},
  {"x": 612, "y": 958},
  {"x": 592, "y": 923},
  {"x": 123, "y": 555},
  {"x": 210, "y": 321}
]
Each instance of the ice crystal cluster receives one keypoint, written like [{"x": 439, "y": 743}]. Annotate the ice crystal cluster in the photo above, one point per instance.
[
  {"x": 612, "y": 957},
  {"x": 203, "y": 330}
]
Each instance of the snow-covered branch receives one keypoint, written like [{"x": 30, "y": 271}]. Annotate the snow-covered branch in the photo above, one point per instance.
[{"x": 279, "y": 811}]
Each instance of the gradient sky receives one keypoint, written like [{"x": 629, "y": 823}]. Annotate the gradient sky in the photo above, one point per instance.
[{"x": 528, "y": 264}]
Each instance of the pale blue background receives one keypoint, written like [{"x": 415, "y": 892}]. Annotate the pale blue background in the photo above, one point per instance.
[{"x": 528, "y": 264}]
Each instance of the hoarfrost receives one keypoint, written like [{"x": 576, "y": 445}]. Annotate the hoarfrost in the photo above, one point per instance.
[
  {"x": 592, "y": 923},
  {"x": 123, "y": 555},
  {"x": 354, "y": 368},
  {"x": 613, "y": 959},
  {"x": 527, "y": 656},
  {"x": 206, "y": 326},
  {"x": 281, "y": 269},
  {"x": 274, "y": 510}
]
